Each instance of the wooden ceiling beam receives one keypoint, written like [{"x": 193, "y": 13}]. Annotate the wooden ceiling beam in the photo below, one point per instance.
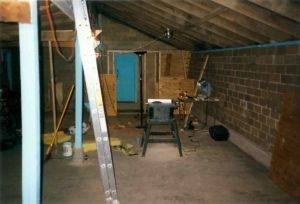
[
  {"x": 210, "y": 34},
  {"x": 65, "y": 6},
  {"x": 61, "y": 44},
  {"x": 146, "y": 27},
  {"x": 262, "y": 15},
  {"x": 287, "y": 8},
  {"x": 149, "y": 15},
  {"x": 15, "y": 11},
  {"x": 244, "y": 21},
  {"x": 227, "y": 26},
  {"x": 216, "y": 12},
  {"x": 61, "y": 35}
]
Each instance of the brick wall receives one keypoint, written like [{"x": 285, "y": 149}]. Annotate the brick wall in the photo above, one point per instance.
[{"x": 251, "y": 84}]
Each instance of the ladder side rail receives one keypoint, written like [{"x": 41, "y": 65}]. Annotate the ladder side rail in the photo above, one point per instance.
[{"x": 88, "y": 57}]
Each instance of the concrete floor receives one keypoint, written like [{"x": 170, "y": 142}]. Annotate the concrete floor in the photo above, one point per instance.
[{"x": 209, "y": 172}]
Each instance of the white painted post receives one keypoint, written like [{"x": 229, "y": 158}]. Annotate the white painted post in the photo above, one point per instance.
[{"x": 30, "y": 100}]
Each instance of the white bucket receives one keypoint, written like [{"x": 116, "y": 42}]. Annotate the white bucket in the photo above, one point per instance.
[{"x": 67, "y": 149}]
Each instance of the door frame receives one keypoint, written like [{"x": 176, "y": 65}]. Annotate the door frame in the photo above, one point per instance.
[{"x": 137, "y": 86}]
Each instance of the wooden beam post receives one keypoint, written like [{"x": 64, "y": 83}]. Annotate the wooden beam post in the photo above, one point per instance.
[{"x": 15, "y": 11}]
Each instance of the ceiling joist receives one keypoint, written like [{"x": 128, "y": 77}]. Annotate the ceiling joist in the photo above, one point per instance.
[
  {"x": 197, "y": 24},
  {"x": 262, "y": 15},
  {"x": 287, "y": 8}
]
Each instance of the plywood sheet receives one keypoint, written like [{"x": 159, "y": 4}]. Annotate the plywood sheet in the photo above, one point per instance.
[
  {"x": 175, "y": 64},
  {"x": 108, "y": 83},
  {"x": 170, "y": 87}
]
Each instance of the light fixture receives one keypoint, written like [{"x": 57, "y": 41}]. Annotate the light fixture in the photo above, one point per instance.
[{"x": 169, "y": 33}]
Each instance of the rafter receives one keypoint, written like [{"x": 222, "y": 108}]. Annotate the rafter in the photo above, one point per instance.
[
  {"x": 262, "y": 15},
  {"x": 243, "y": 21},
  {"x": 156, "y": 16},
  {"x": 65, "y": 6},
  {"x": 285, "y": 8},
  {"x": 61, "y": 35},
  {"x": 145, "y": 27},
  {"x": 212, "y": 14},
  {"x": 198, "y": 13},
  {"x": 191, "y": 24}
]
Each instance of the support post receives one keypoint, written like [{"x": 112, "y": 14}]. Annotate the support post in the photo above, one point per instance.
[
  {"x": 140, "y": 54},
  {"x": 78, "y": 153},
  {"x": 30, "y": 95},
  {"x": 53, "y": 89},
  {"x": 9, "y": 70}
]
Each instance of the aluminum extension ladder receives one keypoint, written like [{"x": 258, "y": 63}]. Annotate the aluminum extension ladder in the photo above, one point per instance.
[{"x": 88, "y": 57}]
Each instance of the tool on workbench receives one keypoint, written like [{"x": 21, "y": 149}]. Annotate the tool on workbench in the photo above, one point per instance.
[{"x": 195, "y": 92}]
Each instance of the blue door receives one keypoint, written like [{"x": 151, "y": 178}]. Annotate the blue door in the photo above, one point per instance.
[{"x": 126, "y": 70}]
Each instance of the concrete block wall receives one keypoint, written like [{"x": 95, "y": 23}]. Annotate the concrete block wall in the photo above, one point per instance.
[
  {"x": 64, "y": 73},
  {"x": 117, "y": 36},
  {"x": 251, "y": 84}
]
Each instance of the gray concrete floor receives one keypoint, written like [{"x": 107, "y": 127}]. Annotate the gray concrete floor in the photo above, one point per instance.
[{"x": 209, "y": 172}]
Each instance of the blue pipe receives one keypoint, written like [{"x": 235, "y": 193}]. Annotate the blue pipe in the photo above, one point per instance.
[
  {"x": 267, "y": 45},
  {"x": 30, "y": 103},
  {"x": 79, "y": 97}
]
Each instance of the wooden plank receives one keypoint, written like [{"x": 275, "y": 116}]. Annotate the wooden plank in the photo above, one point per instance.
[
  {"x": 15, "y": 11},
  {"x": 168, "y": 65},
  {"x": 150, "y": 75},
  {"x": 170, "y": 87},
  {"x": 212, "y": 14},
  {"x": 150, "y": 19},
  {"x": 61, "y": 44},
  {"x": 262, "y": 15},
  {"x": 209, "y": 34},
  {"x": 108, "y": 82},
  {"x": 158, "y": 17},
  {"x": 229, "y": 28},
  {"x": 146, "y": 27},
  {"x": 243, "y": 21},
  {"x": 61, "y": 35},
  {"x": 65, "y": 6},
  {"x": 287, "y": 8}
]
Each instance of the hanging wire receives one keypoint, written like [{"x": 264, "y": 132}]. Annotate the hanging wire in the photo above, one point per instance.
[
  {"x": 149, "y": 43},
  {"x": 53, "y": 33}
]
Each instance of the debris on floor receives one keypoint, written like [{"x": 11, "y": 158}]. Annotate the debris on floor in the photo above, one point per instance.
[
  {"x": 61, "y": 137},
  {"x": 114, "y": 142},
  {"x": 129, "y": 150},
  {"x": 126, "y": 148},
  {"x": 89, "y": 146},
  {"x": 116, "y": 145},
  {"x": 117, "y": 126},
  {"x": 85, "y": 128}
]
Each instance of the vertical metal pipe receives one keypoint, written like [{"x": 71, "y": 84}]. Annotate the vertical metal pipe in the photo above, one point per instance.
[
  {"x": 30, "y": 95},
  {"x": 79, "y": 97},
  {"x": 141, "y": 91},
  {"x": 9, "y": 69}
]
